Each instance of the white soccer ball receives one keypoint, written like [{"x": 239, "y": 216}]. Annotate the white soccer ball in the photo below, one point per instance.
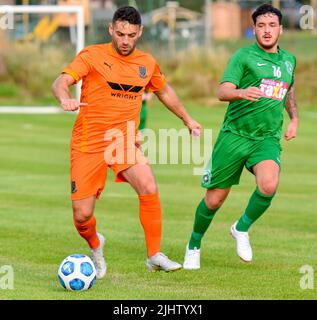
[{"x": 77, "y": 272}]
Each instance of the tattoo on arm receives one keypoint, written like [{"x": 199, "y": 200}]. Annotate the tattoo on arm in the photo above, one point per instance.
[{"x": 291, "y": 104}]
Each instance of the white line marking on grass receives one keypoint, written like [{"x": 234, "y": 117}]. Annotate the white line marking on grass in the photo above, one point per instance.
[
  {"x": 119, "y": 195},
  {"x": 32, "y": 110}
]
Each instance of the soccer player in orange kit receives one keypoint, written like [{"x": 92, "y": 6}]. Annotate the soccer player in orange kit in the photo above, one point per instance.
[{"x": 114, "y": 77}]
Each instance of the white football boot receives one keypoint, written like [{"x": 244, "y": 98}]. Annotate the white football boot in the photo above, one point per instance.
[
  {"x": 160, "y": 261},
  {"x": 244, "y": 249},
  {"x": 192, "y": 259},
  {"x": 98, "y": 258}
]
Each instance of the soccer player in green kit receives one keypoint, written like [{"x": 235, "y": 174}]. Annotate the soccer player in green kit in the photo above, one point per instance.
[{"x": 258, "y": 83}]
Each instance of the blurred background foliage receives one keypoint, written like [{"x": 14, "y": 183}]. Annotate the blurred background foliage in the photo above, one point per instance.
[{"x": 28, "y": 68}]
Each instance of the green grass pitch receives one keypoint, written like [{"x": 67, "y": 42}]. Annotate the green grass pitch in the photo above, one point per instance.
[{"x": 37, "y": 232}]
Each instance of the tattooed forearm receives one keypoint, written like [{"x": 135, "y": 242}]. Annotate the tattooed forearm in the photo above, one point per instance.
[{"x": 291, "y": 104}]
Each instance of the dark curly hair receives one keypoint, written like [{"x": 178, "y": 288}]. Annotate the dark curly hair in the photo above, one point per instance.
[
  {"x": 129, "y": 14},
  {"x": 264, "y": 9}
]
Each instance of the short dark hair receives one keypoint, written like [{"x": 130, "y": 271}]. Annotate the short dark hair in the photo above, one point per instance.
[
  {"x": 264, "y": 9},
  {"x": 129, "y": 14}
]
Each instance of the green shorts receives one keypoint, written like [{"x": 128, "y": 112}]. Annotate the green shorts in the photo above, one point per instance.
[{"x": 233, "y": 152}]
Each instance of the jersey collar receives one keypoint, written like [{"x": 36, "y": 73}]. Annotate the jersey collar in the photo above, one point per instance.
[
  {"x": 113, "y": 52},
  {"x": 268, "y": 55}
]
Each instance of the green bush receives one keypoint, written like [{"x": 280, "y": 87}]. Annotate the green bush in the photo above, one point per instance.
[
  {"x": 195, "y": 73},
  {"x": 305, "y": 82},
  {"x": 28, "y": 69},
  {"x": 34, "y": 68}
]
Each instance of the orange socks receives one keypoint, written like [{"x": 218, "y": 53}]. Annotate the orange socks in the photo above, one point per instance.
[
  {"x": 150, "y": 217},
  {"x": 151, "y": 220},
  {"x": 87, "y": 230}
]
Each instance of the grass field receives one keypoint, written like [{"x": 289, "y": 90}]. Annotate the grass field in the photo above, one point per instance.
[{"x": 37, "y": 232}]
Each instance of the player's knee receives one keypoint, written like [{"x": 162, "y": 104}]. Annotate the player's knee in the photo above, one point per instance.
[
  {"x": 81, "y": 213},
  {"x": 268, "y": 187},
  {"x": 214, "y": 202},
  {"x": 148, "y": 188}
]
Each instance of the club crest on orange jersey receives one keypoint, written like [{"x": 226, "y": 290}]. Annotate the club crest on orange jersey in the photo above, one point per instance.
[
  {"x": 74, "y": 189},
  {"x": 142, "y": 72}
]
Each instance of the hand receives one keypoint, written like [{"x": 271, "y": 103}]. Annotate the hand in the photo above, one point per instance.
[
  {"x": 147, "y": 96},
  {"x": 71, "y": 104},
  {"x": 193, "y": 127},
  {"x": 291, "y": 130},
  {"x": 252, "y": 94}
]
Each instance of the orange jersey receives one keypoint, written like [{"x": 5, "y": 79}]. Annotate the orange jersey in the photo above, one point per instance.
[{"x": 112, "y": 86}]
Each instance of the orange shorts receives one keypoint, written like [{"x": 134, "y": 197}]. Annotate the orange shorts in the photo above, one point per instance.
[{"x": 89, "y": 170}]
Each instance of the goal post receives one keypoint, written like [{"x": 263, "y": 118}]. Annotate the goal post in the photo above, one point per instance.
[{"x": 10, "y": 10}]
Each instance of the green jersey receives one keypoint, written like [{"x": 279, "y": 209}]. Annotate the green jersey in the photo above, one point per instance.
[{"x": 273, "y": 73}]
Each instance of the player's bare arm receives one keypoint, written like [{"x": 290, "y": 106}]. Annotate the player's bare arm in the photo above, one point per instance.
[
  {"x": 292, "y": 110},
  {"x": 61, "y": 91},
  {"x": 228, "y": 92},
  {"x": 170, "y": 99}
]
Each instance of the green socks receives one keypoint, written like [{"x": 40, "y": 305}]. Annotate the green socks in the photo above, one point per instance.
[
  {"x": 203, "y": 218},
  {"x": 257, "y": 205}
]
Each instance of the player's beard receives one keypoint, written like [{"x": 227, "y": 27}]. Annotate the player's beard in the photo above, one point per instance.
[
  {"x": 121, "y": 51},
  {"x": 264, "y": 45}
]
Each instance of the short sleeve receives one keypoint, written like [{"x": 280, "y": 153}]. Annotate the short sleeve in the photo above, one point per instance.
[
  {"x": 293, "y": 73},
  {"x": 235, "y": 69},
  {"x": 80, "y": 66},
  {"x": 157, "y": 81}
]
